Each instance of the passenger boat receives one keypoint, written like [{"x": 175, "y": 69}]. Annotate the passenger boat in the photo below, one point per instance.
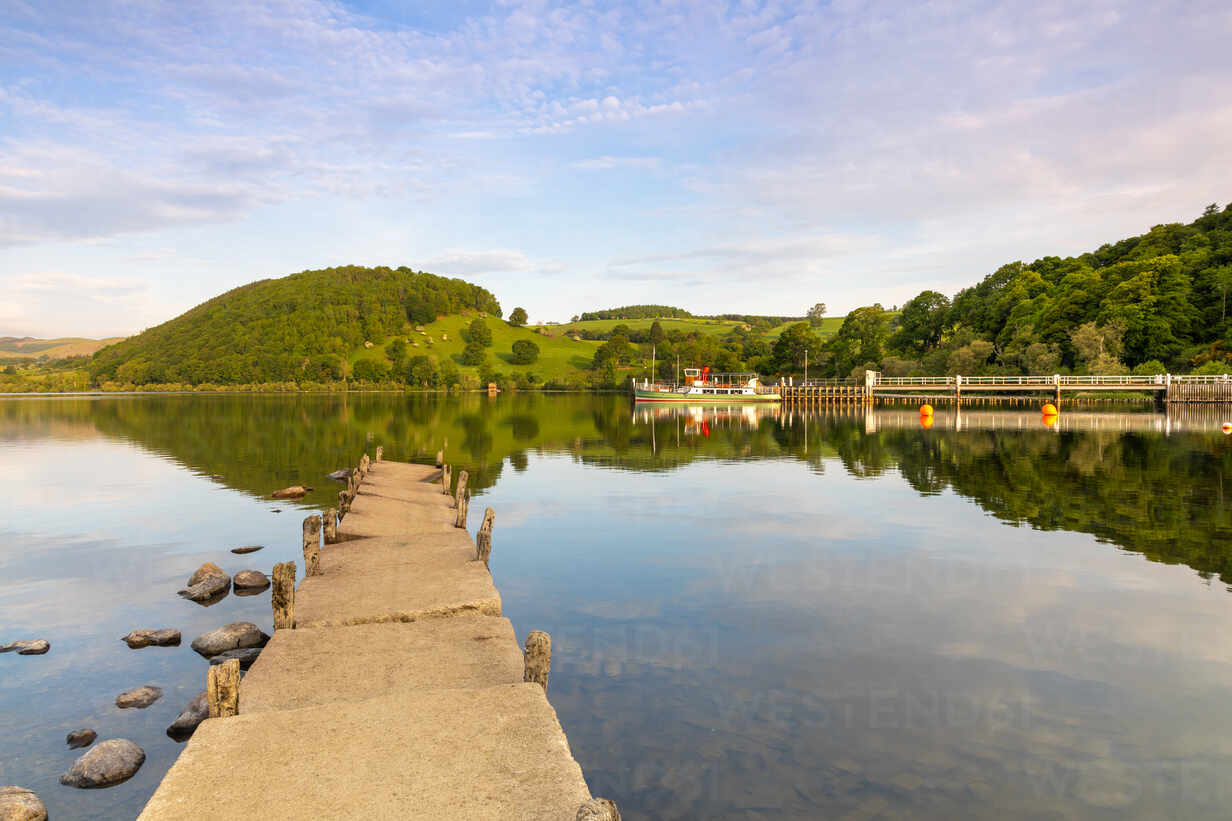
[{"x": 701, "y": 386}]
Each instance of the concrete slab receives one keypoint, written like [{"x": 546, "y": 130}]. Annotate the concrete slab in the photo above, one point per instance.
[
  {"x": 396, "y": 579},
  {"x": 496, "y": 753},
  {"x": 305, "y": 668}
]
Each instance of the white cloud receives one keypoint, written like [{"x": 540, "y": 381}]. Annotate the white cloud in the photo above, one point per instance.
[{"x": 608, "y": 162}]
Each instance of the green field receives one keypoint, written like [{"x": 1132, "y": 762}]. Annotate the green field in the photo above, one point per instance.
[
  {"x": 829, "y": 327},
  {"x": 30, "y": 348},
  {"x": 559, "y": 356},
  {"x": 716, "y": 327}
]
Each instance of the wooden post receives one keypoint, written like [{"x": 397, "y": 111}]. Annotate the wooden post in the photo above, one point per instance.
[
  {"x": 537, "y": 658},
  {"x": 283, "y": 596},
  {"x": 440, "y": 458},
  {"x": 598, "y": 809},
  {"x": 312, "y": 546},
  {"x": 483, "y": 539},
  {"x": 330, "y": 523},
  {"x": 380, "y": 453},
  {"x": 464, "y": 504},
  {"x": 344, "y": 504},
  {"x": 462, "y": 479},
  {"x": 222, "y": 689},
  {"x": 364, "y": 462},
  {"x": 446, "y": 479}
]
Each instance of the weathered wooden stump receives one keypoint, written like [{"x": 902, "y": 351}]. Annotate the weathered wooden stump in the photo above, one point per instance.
[
  {"x": 329, "y": 521},
  {"x": 344, "y": 504},
  {"x": 538, "y": 658},
  {"x": 598, "y": 809},
  {"x": 380, "y": 453},
  {"x": 312, "y": 546},
  {"x": 222, "y": 689},
  {"x": 283, "y": 595},
  {"x": 446, "y": 479},
  {"x": 483, "y": 539},
  {"x": 463, "y": 478},
  {"x": 440, "y": 458},
  {"x": 364, "y": 462},
  {"x": 462, "y": 501}
]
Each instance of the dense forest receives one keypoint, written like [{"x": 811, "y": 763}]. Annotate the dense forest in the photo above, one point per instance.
[
  {"x": 297, "y": 328},
  {"x": 635, "y": 312},
  {"x": 1149, "y": 304}
]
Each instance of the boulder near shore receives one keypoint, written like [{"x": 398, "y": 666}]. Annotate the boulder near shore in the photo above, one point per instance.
[
  {"x": 33, "y": 647},
  {"x": 207, "y": 584},
  {"x": 293, "y": 492},
  {"x": 111, "y": 762},
  {"x": 19, "y": 804},
  {"x": 248, "y": 548},
  {"x": 234, "y": 636},
  {"x": 250, "y": 580},
  {"x": 197, "y": 711}
]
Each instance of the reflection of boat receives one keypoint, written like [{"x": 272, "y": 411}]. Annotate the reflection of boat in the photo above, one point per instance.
[
  {"x": 701, "y": 386},
  {"x": 703, "y": 418}
]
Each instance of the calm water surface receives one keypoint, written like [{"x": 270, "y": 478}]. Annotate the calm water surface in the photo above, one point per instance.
[{"x": 754, "y": 614}]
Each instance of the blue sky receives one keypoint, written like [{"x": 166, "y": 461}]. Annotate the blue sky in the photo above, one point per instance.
[{"x": 721, "y": 156}]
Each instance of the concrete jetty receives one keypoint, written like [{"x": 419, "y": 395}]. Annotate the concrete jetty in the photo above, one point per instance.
[{"x": 400, "y": 692}]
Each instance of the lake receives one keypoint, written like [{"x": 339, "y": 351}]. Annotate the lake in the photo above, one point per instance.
[{"x": 755, "y": 613}]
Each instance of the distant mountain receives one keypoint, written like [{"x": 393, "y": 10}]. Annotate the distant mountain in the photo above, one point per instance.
[
  {"x": 303, "y": 327},
  {"x": 32, "y": 348}
]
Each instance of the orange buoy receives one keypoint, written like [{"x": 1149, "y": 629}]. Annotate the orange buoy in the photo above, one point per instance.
[
  {"x": 926, "y": 410},
  {"x": 1049, "y": 420},
  {"x": 1227, "y": 427},
  {"x": 926, "y": 420},
  {"x": 1049, "y": 409}
]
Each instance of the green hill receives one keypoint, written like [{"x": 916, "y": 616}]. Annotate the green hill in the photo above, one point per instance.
[
  {"x": 306, "y": 327},
  {"x": 27, "y": 347}
]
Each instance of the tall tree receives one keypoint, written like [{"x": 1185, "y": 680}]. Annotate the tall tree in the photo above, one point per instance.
[
  {"x": 861, "y": 339},
  {"x": 816, "y": 313},
  {"x": 789, "y": 349},
  {"x": 517, "y": 317},
  {"x": 921, "y": 323}
]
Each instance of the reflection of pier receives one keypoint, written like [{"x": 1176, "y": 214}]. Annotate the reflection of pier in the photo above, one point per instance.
[{"x": 1177, "y": 419}]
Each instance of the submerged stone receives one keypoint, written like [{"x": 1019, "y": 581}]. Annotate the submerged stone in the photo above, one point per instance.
[
  {"x": 250, "y": 580},
  {"x": 249, "y": 548},
  {"x": 246, "y": 656},
  {"x": 34, "y": 647},
  {"x": 80, "y": 738},
  {"x": 139, "y": 697},
  {"x": 293, "y": 492},
  {"x": 152, "y": 638}
]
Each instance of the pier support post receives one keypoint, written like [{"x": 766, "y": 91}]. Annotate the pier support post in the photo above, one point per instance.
[
  {"x": 330, "y": 525},
  {"x": 446, "y": 479},
  {"x": 364, "y": 463},
  {"x": 344, "y": 504},
  {"x": 464, "y": 504},
  {"x": 457, "y": 496},
  {"x": 312, "y": 546},
  {"x": 483, "y": 539},
  {"x": 283, "y": 596},
  {"x": 537, "y": 658},
  {"x": 440, "y": 458},
  {"x": 222, "y": 689},
  {"x": 380, "y": 453},
  {"x": 598, "y": 809}
]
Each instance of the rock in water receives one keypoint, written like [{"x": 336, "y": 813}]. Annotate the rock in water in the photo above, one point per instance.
[
  {"x": 248, "y": 548},
  {"x": 250, "y": 580},
  {"x": 234, "y": 636},
  {"x": 204, "y": 572},
  {"x": 246, "y": 656},
  {"x": 207, "y": 585},
  {"x": 197, "y": 711},
  {"x": 152, "y": 638},
  {"x": 293, "y": 492},
  {"x": 340, "y": 475},
  {"x": 35, "y": 647},
  {"x": 111, "y": 762},
  {"x": 80, "y": 738},
  {"x": 141, "y": 697},
  {"x": 19, "y": 804}
]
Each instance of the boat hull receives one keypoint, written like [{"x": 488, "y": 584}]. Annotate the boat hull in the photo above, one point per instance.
[{"x": 642, "y": 395}]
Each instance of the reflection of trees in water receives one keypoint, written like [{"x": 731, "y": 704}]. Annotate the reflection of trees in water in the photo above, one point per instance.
[{"x": 1159, "y": 495}]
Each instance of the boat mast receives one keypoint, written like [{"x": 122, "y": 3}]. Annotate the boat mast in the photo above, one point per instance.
[{"x": 652, "y": 363}]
